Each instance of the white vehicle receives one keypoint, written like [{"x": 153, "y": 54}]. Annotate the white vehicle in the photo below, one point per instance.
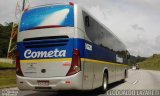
[
  {"x": 134, "y": 67},
  {"x": 63, "y": 47}
]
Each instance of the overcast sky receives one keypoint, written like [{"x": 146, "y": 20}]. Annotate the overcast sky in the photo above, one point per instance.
[{"x": 135, "y": 22}]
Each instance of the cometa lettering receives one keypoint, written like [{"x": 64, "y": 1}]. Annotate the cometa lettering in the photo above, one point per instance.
[{"x": 44, "y": 54}]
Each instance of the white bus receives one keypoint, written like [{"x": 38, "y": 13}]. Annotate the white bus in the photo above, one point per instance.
[{"x": 63, "y": 47}]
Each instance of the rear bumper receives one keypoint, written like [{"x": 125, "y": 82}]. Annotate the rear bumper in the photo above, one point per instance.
[{"x": 55, "y": 83}]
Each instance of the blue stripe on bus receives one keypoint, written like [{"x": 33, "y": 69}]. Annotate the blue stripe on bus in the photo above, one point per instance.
[{"x": 97, "y": 52}]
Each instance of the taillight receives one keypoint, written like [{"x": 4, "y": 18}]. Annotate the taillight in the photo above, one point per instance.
[
  {"x": 71, "y": 3},
  {"x": 75, "y": 64},
  {"x": 18, "y": 68}
]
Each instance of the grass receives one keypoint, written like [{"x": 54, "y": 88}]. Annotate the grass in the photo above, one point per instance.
[
  {"x": 7, "y": 65},
  {"x": 7, "y": 78},
  {"x": 152, "y": 63}
]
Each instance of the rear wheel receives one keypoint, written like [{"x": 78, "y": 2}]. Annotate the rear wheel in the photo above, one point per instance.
[
  {"x": 104, "y": 84},
  {"x": 125, "y": 76}
]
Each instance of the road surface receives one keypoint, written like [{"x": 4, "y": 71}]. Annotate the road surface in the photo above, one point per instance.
[{"x": 137, "y": 80}]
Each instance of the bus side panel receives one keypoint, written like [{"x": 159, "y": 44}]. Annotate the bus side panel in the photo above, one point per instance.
[
  {"x": 96, "y": 59},
  {"x": 99, "y": 71},
  {"x": 88, "y": 75},
  {"x": 120, "y": 72}
]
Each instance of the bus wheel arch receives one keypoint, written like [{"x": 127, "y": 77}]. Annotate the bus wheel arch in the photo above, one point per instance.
[
  {"x": 125, "y": 76},
  {"x": 104, "y": 86}
]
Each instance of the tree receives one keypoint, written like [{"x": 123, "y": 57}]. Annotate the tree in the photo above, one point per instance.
[{"x": 5, "y": 31}]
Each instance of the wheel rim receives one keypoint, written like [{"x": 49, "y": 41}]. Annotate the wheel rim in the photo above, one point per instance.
[{"x": 104, "y": 83}]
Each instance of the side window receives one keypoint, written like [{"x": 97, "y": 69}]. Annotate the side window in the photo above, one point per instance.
[
  {"x": 103, "y": 37},
  {"x": 91, "y": 28}
]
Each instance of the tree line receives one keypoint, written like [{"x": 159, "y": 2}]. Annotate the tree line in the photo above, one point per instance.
[{"x": 5, "y": 32}]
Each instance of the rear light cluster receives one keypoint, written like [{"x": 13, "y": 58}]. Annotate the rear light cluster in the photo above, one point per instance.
[
  {"x": 76, "y": 63},
  {"x": 71, "y": 3},
  {"x": 18, "y": 67}
]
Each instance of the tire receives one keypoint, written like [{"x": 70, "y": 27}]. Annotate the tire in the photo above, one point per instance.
[
  {"x": 123, "y": 80},
  {"x": 125, "y": 76},
  {"x": 104, "y": 86}
]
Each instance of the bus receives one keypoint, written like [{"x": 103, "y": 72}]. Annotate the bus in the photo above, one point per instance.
[{"x": 63, "y": 47}]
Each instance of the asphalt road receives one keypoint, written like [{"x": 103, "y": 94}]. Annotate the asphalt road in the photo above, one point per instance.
[{"x": 137, "y": 80}]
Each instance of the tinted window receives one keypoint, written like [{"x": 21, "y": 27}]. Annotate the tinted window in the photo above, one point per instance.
[
  {"x": 58, "y": 15},
  {"x": 101, "y": 36}
]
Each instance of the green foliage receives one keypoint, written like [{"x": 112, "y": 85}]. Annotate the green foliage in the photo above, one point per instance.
[
  {"x": 134, "y": 60},
  {"x": 4, "y": 38},
  {"x": 7, "y": 65},
  {"x": 152, "y": 63}
]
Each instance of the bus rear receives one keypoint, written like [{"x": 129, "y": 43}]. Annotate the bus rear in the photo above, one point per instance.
[{"x": 47, "y": 56}]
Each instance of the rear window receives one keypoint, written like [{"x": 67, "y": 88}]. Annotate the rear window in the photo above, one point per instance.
[{"x": 48, "y": 16}]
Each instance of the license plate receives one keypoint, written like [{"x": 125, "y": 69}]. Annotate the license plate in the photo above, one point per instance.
[{"x": 43, "y": 82}]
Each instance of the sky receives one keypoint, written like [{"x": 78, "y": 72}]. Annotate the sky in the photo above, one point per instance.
[{"x": 135, "y": 22}]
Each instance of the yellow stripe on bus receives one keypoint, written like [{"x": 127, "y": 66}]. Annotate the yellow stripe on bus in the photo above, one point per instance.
[
  {"x": 69, "y": 59},
  {"x": 45, "y": 60},
  {"x": 104, "y": 62}
]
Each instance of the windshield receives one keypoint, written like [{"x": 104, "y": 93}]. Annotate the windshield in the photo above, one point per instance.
[{"x": 47, "y": 16}]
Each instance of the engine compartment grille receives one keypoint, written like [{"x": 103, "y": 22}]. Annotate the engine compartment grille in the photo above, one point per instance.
[{"x": 49, "y": 41}]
